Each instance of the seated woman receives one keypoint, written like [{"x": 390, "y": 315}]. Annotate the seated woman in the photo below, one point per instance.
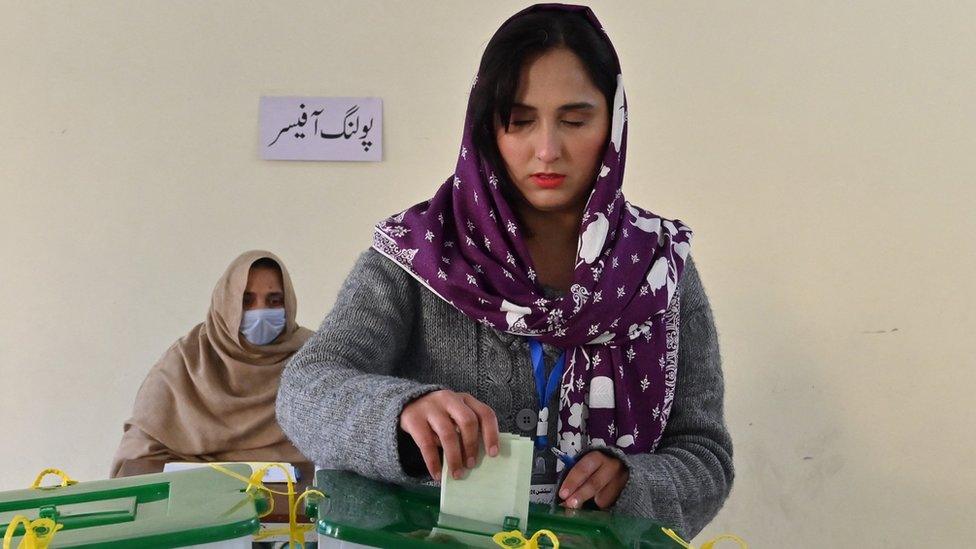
[
  {"x": 211, "y": 396},
  {"x": 528, "y": 296}
]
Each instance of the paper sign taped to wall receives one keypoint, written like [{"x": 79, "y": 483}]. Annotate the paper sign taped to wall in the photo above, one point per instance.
[{"x": 321, "y": 128}]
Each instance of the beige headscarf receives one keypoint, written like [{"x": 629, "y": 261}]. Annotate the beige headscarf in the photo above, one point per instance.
[{"x": 211, "y": 397}]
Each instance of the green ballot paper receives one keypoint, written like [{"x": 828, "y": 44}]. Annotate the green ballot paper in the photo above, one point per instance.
[{"x": 495, "y": 489}]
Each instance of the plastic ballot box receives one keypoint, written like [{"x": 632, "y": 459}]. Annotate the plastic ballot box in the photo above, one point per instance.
[
  {"x": 359, "y": 512},
  {"x": 201, "y": 508}
]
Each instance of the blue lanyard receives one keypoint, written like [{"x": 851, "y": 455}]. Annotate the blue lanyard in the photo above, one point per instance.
[{"x": 544, "y": 389}]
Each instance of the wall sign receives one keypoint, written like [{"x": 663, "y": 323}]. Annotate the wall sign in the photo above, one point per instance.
[{"x": 321, "y": 128}]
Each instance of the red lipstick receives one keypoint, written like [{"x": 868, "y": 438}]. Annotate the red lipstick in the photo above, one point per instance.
[{"x": 548, "y": 180}]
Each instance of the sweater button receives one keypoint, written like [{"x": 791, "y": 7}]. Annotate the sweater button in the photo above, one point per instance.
[{"x": 526, "y": 420}]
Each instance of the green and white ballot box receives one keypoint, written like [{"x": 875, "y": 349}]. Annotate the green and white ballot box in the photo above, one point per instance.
[
  {"x": 359, "y": 512},
  {"x": 201, "y": 508}
]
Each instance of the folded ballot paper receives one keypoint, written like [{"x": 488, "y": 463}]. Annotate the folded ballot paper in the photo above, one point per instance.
[
  {"x": 272, "y": 474},
  {"x": 497, "y": 488}
]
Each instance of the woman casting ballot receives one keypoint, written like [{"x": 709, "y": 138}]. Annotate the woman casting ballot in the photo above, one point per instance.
[{"x": 528, "y": 296}]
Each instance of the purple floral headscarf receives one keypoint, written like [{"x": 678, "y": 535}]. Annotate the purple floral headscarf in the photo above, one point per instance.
[{"x": 619, "y": 322}]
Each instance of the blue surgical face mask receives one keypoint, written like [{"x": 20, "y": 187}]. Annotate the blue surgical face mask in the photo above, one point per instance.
[{"x": 262, "y": 326}]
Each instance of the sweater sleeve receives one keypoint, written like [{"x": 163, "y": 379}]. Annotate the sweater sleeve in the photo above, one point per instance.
[
  {"x": 340, "y": 399},
  {"x": 685, "y": 481}
]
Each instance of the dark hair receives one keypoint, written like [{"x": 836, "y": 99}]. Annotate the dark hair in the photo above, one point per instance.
[
  {"x": 266, "y": 263},
  {"x": 498, "y": 75}
]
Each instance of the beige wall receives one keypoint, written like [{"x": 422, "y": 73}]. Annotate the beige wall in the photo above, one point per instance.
[{"x": 823, "y": 151}]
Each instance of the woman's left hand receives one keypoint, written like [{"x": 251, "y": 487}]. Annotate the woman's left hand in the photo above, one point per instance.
[{"x": 596, "y": 475}]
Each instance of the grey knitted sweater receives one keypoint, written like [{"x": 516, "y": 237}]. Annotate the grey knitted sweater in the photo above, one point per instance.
[{"x": 389, "y": 340}]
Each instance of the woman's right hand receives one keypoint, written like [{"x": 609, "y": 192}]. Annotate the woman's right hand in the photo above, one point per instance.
[{"x": 452, "y": 421}]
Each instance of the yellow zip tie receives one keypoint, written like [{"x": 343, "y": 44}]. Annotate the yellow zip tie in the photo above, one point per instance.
[
  {"x": 708, "y": 544},
  {"x": 37, "y": 534},
  {"x": 515, "y": 539},
  {"x": 65, "y": 479},
  {"x": 295, "y": 531}
]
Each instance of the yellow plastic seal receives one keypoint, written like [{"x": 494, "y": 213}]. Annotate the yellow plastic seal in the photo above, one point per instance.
[
  {"x": 37, "y": 534},
  {"x": 708, "y": 544},
  {"x": 295, "y": 531},
  {"x": 65, "y": 479},
  {"x": 515, "y": 539}
]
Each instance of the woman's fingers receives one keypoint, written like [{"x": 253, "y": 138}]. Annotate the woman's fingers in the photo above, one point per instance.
[
  {"x": 579, "y": 474},
  {"x": 586, "y": 491},
  {"x": 591, "y": 475},
  {"x": 467, "y": 426},
  {"x": 609, "y": 494},
  {"x": 426, "y": 440},
  {"x": 488, "y": 422},
  {"x": 446, "y": 430},
  {"x": 454, "y": 422}
]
